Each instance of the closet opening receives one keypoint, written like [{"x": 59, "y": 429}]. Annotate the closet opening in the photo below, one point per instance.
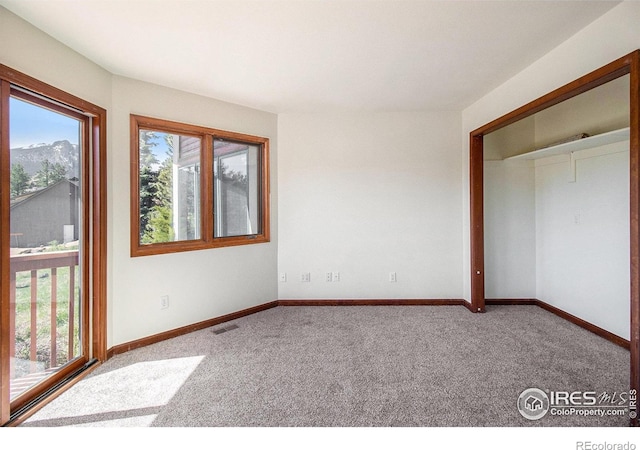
[{"x": 554, "y": 197}]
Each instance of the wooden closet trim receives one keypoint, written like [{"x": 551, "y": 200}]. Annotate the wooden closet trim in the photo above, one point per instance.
[{"x": 629, "y": 64}]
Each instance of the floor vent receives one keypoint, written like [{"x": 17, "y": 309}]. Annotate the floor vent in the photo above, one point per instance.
[{"x": 225, "y": 329}]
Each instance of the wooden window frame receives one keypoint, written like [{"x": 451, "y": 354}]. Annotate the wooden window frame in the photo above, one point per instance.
[{"x": 207, "y": 136}]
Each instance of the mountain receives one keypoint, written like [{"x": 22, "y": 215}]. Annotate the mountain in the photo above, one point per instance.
[{"x": 62, "y": 152}]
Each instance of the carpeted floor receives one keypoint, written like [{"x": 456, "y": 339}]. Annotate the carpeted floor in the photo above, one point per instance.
[{"x": 369, "y": 366}]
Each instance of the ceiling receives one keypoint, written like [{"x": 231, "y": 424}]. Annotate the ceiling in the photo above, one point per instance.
[{"x": 313, "y": 55}]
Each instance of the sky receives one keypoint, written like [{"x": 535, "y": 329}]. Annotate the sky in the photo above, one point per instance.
[{"x": 30, "y": 124}]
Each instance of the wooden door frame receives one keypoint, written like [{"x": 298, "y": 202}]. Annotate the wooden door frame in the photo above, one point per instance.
[
  {"x": 98, "y": 220},
  {"x": 629, "y": 64}
]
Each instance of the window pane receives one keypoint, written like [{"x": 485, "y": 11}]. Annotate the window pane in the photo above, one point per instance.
[
  {"x": 236, "y": 188},
  {"x": 169, "y": 187},
  {"x": 46, "y": 242}
]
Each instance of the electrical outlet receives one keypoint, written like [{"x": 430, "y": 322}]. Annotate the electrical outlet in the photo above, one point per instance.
[
  {"x": 283, "y": 277},
  {"x": 328, "y": 277},
  {"x": 164, "y": 302},
  {"x": 336, "y": 276},
  {"x": 393, "y": 277},
  {"x": 305, "y": 277}
]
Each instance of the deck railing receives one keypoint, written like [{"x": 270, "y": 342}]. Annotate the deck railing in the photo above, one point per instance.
[{"x": 33, "y": 263}]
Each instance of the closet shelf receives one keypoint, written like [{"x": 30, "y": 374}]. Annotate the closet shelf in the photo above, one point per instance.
[{"x": 574, "y": 146}]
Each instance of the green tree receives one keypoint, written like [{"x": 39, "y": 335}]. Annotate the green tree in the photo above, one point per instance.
[
  {"x": 19, "y": 180},
  {"x": 169, "y": 140},
  {"x": 164, "y": 186},
  {"x": 148, "y": 178},
  {"x": 148, "y": 187},
  {"x": 50, "y": 174},
  {"x": 58, "y": 172},
  {"x": 147, "y": 143},
  {"x": 159, "y": 227},
  {"x": 156, "y": 188}
]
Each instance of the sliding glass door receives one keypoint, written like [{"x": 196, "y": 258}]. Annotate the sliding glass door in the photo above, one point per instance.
[
  {"x": 48, "y": 307},
  {"x": 52, "y": 245}
]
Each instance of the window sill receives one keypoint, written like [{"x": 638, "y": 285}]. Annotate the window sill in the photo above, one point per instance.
[{"x": 187, "y": 246}]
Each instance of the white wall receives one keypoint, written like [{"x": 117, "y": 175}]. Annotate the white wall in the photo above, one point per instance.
[
  {"x": 365, "y": 195},
  {"x": 509, "y": 229},
  {"x": 582, "y": 236},
  {"x": 31, "y": 51},
  {"x": 611, "y": 36},
  {"x": 200, "y": 284}
]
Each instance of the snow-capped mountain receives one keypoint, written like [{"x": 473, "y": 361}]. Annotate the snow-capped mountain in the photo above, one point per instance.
[{"x": 62, "y": 152}]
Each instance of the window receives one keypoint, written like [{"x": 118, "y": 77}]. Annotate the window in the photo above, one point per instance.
[
  {"x": 194, "y": 187},
  {"x": 235, "y": 171}
]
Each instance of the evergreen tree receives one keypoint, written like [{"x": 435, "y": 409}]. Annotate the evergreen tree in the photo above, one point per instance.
[
  {"x": 148, "y": 186},
  {"x": 58, "y": 172},
  {"x": 50, "y": 174},
  {"x": 19, "y": 180},
  {"x": 147, "y": 142},
  {"x": 165, "y": 184},
  {"x": 148, "y": 178},
  {"x": 159, "y": 227},
  {"x": 156, "y": 189},
  {"x": 169, "y": 140}
]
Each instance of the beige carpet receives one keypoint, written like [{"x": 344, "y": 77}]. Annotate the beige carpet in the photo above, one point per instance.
[{"x": 369, "y": 366}]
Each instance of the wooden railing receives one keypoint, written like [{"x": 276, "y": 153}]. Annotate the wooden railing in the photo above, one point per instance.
[{"x": 33, "y": 263}]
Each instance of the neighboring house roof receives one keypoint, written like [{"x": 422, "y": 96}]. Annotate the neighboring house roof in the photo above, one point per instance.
[
  {"x": 222, "y": 147},
  {"x": 26, "y": 197}
]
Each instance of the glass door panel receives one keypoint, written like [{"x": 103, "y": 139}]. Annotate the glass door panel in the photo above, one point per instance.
[{"x": 46, "y": 227}]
